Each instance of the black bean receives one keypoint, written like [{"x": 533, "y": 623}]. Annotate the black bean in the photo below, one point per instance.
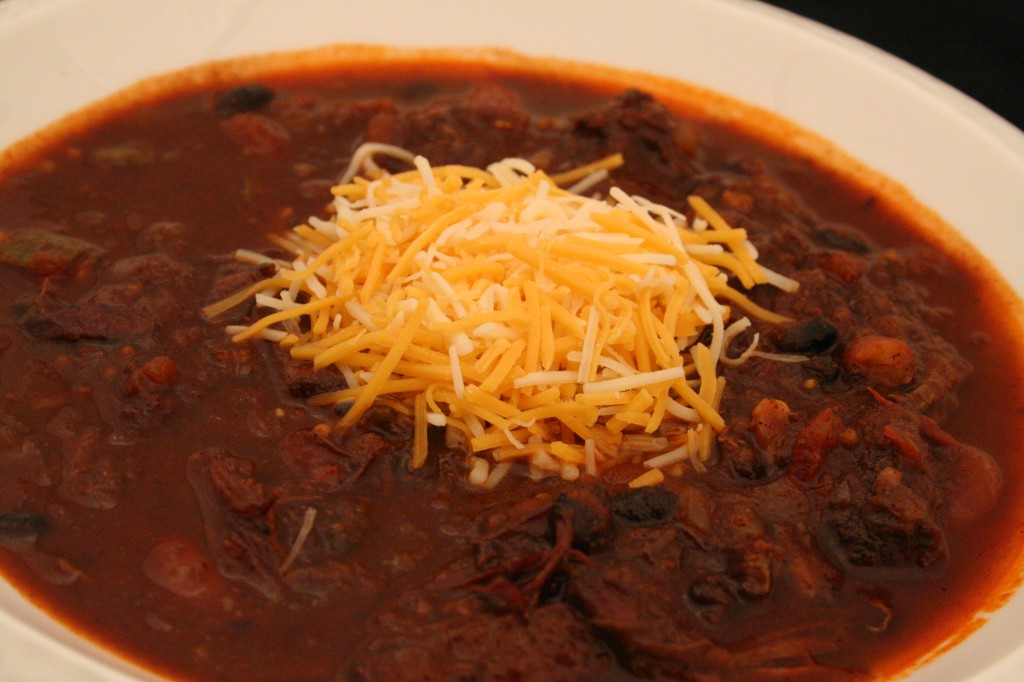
[
  {"x": 22, "y": 526},
  {"x": 251, "y": 97},
  {"x": 388, "y": 423},
  {"x": 810, "y": 337},
  {"x": 645, "y": 506},
  {"x": 843, "y": 239},
  {"x": 705, "y": 336}
]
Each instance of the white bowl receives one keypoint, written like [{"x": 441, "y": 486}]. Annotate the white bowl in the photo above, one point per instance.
[{"x": 951, "y": 153}]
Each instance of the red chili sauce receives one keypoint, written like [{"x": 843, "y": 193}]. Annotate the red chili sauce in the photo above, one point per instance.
[{"x": 153, "y": 475}]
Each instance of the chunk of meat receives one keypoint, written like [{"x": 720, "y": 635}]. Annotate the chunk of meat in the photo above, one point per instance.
[
  {"x": 315, "y": 538},
  {"x": 631, "y": 609},
  {"x": 89, "y": 320},
  {"x": 164, "y": 236},
  {"x": 893, "y": 531},
  {"x": 296, "y": 542},
  {"x": 224, "y": 486},
  {"x": 591, "y": 515},
  {"x": 843, "y": 264},
  {"x": 232, "y": 478},
  {"x": 646, "y": 134},
  {"x": 940, "y": 371},
  {"x": 485, "y": 124},
  {"x": 645, "y": 506},
  {"x": 743, "y": 457},
  {"x": 129, "y": 304},
  {"x": 519, "y": 552},
  {"x": 761, "y": 450},
  {"x": 319, "y": 460},
  {"x": 304, "y": 381},
  {"x": 90, "y": 475},
  {"x": 551, "y": 643}
]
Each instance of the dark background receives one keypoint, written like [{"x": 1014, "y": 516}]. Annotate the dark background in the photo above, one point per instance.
[{"x": 977, "y": 46}]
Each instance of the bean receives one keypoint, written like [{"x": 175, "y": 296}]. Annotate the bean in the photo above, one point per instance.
[
  {"x": 251, "y": 97},
  {"x": 22, "y": 526},
  {"x": 811, "y": 337},
  {"x": 645, "y": 506}
]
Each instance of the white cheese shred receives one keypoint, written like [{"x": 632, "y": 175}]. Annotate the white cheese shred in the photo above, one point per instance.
[{"x": 300, "y": 539}]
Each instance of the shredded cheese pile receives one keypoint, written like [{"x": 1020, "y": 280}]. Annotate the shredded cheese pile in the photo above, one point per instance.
[{"x": 538, "y": 324}]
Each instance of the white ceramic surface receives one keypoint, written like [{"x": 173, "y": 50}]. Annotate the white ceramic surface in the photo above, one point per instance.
[{"x": 954, "y": 155}]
